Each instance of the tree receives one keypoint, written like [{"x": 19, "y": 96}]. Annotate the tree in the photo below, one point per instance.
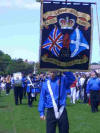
[
  {"x": 38, "y": 0},
  {"x": 94, "y": 63},
  {"x": 5, "y": 60},
  {"x": 10, "y": 66},
  {"x": 1, "y": 53},
  {"x": 20, "y": 66}
]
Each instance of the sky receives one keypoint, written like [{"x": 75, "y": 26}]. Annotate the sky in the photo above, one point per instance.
[{"x": 20, "y": 29}]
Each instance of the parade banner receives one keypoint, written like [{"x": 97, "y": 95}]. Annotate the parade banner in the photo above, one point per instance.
[{"x": 65, "y": 36}]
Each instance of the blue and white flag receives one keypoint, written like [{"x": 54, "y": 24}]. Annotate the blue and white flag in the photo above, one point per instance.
[{"x": 78, "y": 43}]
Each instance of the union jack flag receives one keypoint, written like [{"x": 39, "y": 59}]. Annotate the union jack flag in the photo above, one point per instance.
[{"x": 54, "y": 42}]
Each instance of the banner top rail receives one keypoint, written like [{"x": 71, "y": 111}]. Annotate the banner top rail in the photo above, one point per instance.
[{"x": 70, "y": 2}]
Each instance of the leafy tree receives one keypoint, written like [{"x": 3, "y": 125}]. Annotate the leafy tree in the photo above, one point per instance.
[
  {"x": 94, "y": 63},
  {"x": 10, "y": 66},
  {"x": 38, "y": 0},
  {"x": 5, "y": 60},
  {"x": 1, "y": 53}
]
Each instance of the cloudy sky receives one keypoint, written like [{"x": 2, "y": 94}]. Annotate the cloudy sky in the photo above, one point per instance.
[{"x": 20, "y": 29}]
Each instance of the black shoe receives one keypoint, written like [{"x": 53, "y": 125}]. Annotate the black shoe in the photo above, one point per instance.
[
  {"x": 96, "y": 110},
  {"x": 30, "y": 105},
  {"x": 16, "y": 103},
  {"x": 20, "y": 102}
]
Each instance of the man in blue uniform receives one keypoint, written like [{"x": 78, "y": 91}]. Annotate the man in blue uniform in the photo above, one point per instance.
[
  {"x": 53, "y": 97},
  {"x": 30, "y": 90},
  {"x": 24, "y": 85},
  {"x": 93, "y": 87}
]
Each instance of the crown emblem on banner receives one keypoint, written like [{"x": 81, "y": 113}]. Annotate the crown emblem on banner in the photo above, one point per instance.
[{"x": 66, "y": 23}]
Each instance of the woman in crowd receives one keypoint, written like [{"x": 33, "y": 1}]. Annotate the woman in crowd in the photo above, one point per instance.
[
  {"x": 73, "y": 92},
  {"x": 8, "y": 84}
]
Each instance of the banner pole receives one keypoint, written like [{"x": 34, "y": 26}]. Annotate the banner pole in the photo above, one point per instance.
[
  {"x": 59, "y": 91},
  {"x": 98, "y": 25}
]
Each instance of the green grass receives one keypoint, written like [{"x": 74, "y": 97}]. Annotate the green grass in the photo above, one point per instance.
[{"x": 22, "y": 119}]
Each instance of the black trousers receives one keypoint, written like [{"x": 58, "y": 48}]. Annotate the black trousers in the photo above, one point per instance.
[
  {"x": 52, "y": 122},
  {"x": 24, "y": 91},
  {"x": 30, "y": 99},
  {"x": 85, "y": 96},
  {"x": 18, "y": 93},
  {"x": 95, "y": 99},
  {"x": 8, "y": 86}
]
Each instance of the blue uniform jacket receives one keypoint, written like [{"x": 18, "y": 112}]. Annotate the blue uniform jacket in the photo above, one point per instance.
[
  {"x": 24, "y": 81},
  {"x": 93, "y": 84},
  {"x": 45, "y": 98},
  {"x": 29, "y": 88},
  {"x": 37, "y": 86}
]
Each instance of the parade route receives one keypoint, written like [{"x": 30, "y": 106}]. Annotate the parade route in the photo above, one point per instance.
[{"x": 23, "y": 119}]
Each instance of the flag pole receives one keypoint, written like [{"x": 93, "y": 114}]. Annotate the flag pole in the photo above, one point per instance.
[
  {"x": 98, "y": 25},
  {"x": 59, "y": 91}
]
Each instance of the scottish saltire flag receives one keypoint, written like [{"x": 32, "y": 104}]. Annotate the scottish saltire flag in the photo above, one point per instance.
[
  {"x": 54, "y": 42},
  {"x": 78, "y": 43}
]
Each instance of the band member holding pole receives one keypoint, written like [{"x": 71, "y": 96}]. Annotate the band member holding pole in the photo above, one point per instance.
[{"x": 55, "y": 103}]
